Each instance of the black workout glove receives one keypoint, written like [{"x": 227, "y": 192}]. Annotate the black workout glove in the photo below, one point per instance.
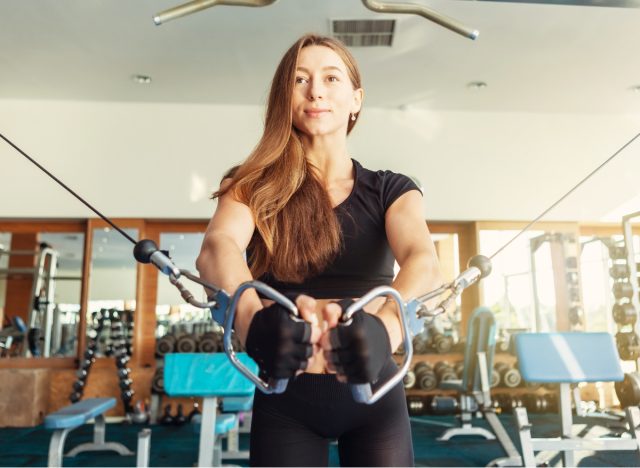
[
  {"x": 279, "y": 344},
  {"x": 361, "y": 349}
]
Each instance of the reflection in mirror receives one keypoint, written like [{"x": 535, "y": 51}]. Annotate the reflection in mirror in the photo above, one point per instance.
[
  {"x": 112, "y": 291},
  {"x": 40, "y": 293},
  {"x": 508, "y": 290},
  {"x": 182, "y": 327}
]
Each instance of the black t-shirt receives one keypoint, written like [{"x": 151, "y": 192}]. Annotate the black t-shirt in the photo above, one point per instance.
[{"x": 365, "y": 260}]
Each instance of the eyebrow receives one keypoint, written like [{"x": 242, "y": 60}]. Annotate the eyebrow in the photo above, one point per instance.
[{"x": 325, "y": 68}]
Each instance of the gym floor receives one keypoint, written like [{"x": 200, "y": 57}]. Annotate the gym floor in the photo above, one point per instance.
[{"x": 178, "y": 446}]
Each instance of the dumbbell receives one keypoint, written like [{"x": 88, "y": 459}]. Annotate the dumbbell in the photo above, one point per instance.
[
  {"x": 442, "y": 344},
  {"x": 622, "y": 289},
  {"x": 425, "y": 377},
  {"x": 125, "y": 383},
  {"x": 165, "y": 345},
  {"x": 509, "y": 376},
  {"x": 572, "y": 277},
  {"x": 78, "y": 386},
  {"x": 121, "y": 361},
  {"x": 409, "y": 379},
  {"x": 444, "y": 371},
  {"x": 82, "y": 374},
  {"x": 571, "y": 263},
  {"x": 576, "y": 315},
  {"x": 179, "y": 419},
  {"x": 540, "y": 403},
  {"x": 458, "y": 368},
  {"x": 124, "y": 372},
  {"x": 420, "y": 343},
  {"x": 187, "y": 344},
  {"x": 443, "y": 405},
  {"x": 628, "y": 391},
  {"x": 75, "y": 397},
  {"x": 619, "y": 271},
  {"x": 507, "y": 402},
  {"x": 574, "y": 294},
  {"x": 628, "y": 345},
  {"x": 127, "y": 395},
  {"x": 237, "y": 344},
  {"x": 209, "y": 342},
  {"x": 166, "y": 418},
  {"x": 624, "y": 314},
  {"x": 157, "y": 383},
  {"x": 416, "y": 405},
  {"x": 617, "y": 252}
]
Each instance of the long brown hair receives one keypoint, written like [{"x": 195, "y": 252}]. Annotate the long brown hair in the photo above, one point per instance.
[{"x": 299, "y": 233}]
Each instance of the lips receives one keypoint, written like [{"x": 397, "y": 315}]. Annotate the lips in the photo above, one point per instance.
[{"x": 316, "y": 112}]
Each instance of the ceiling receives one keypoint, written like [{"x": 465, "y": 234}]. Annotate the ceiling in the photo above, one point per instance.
[{"x": 533, "y": 57}]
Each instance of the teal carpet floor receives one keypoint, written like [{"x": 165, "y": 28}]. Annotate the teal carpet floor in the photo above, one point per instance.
[{"x": 178, "y": 446}]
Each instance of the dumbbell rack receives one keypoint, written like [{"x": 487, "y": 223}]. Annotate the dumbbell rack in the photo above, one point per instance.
[{"x": 117, "y": 345}]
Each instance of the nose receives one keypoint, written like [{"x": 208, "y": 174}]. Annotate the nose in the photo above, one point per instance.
[{"x": 315, "y": 90}]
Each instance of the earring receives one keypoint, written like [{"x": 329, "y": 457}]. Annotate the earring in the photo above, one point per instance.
[{"x": 353, "y": 117}]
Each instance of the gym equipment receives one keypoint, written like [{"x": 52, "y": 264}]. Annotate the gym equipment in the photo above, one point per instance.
[
  {"x": 409, "y": 379},
  {"x": 374, "y": 5},
  {"x": 442, "y": 405},
  {"x": 565, "y": 359},
  {"x": 444, "y": 371},
  {"x": 473, "y": 389},
  {"x": 416, "y": 405},
  {"x": 210, "y": 376},
  {"x": 210, "y": 342},
  {"x": 439, "y": 342},
  {"x": 624, "y": 314},
  {"x": 425, "y": 377},
  {"x": 628, "y": 345},
  {"x": 622, "y": 290},
  {"x": 628, "y": 391},
  {"x": 42, "y": 317},
  {"x": 167, "y": 418},
  {"x": 186, "y": 344},
  {"x": 74, "y": 416},
  {"x": 509, "y": 376}
]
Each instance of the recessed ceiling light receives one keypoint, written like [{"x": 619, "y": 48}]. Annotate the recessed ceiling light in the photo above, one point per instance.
[
  {"x": 141, "y": 79},
  {"x": 476, "y": 85}
]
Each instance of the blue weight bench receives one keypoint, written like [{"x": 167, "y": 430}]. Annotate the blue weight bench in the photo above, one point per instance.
[
  {"x": 71, "y": 417},
  {"x": 210, "y": 376},
  {"x": 474, "y": 388},
  {"x": 566, "y": 359}
]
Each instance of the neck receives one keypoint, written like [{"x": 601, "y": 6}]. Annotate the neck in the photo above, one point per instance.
[{"x": 329, "y": 155}]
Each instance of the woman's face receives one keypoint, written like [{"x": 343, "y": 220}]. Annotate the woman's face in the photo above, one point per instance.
[{"x": 323, "y": 95}]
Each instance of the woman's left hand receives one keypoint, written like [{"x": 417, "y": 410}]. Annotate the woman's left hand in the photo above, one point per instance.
[{"x": 356, "y": 352}]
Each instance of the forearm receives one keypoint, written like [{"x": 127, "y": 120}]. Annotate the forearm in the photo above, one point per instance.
[
  {"x": 419, "y": 274},
  {"x": 221, "y": 263}
]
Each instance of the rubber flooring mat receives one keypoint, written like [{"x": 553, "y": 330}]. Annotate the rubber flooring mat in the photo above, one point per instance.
[{"x": 178, "y": 446}]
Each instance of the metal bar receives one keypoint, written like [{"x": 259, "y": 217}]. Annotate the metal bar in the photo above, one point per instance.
[
  {"x": 144, "y": 446},
  {"x": 199, "y": 5},
  {"x": 567, "y": 422},
  {"x": 421, "y": 10},
  {"x": 207, "y": 431}
]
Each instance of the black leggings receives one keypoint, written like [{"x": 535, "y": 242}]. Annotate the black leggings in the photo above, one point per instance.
[{"x": 295, "y": 428}]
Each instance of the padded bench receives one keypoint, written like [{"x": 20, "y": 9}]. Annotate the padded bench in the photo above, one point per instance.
[
  {"x": 570, "y": 358},
  {"x": 210, "y": 376},
  {"x": 71, "y": 417}
]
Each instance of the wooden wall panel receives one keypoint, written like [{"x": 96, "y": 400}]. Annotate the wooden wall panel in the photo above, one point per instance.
[{"x": 18, "y": 300}]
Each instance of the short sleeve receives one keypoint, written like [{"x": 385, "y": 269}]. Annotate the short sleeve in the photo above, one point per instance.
[{"x": 395, "y": 185}]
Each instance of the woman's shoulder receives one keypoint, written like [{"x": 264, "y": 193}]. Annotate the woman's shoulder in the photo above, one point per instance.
[{"x": 386, "y": 183}]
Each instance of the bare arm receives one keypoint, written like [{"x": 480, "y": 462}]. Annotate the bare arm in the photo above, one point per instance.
[
  {"x": 221, "y": 261},
  {"x": 411, "y": 244}
]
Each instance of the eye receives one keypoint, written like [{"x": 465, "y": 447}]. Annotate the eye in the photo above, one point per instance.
[
  {"x": 333, "y": 78},
  {"x": 301, "y": 79}
]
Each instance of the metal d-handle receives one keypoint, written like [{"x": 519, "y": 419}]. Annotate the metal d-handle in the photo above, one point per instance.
[
  {"x": 273, "y": 385},
  {"x": 362, "y": 393}
]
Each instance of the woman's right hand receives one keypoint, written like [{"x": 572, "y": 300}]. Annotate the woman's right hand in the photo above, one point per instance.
[{"x": 282, "y": 345}]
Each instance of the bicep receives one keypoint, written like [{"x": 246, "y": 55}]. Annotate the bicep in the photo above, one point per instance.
[{"x": 406, "y": 228}]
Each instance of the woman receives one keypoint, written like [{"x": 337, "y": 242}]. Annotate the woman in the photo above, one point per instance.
[{"x": 320, "y": 228}]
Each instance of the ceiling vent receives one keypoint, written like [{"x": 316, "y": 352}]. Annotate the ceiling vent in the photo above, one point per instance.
[{"x": 364, "y": 33}]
